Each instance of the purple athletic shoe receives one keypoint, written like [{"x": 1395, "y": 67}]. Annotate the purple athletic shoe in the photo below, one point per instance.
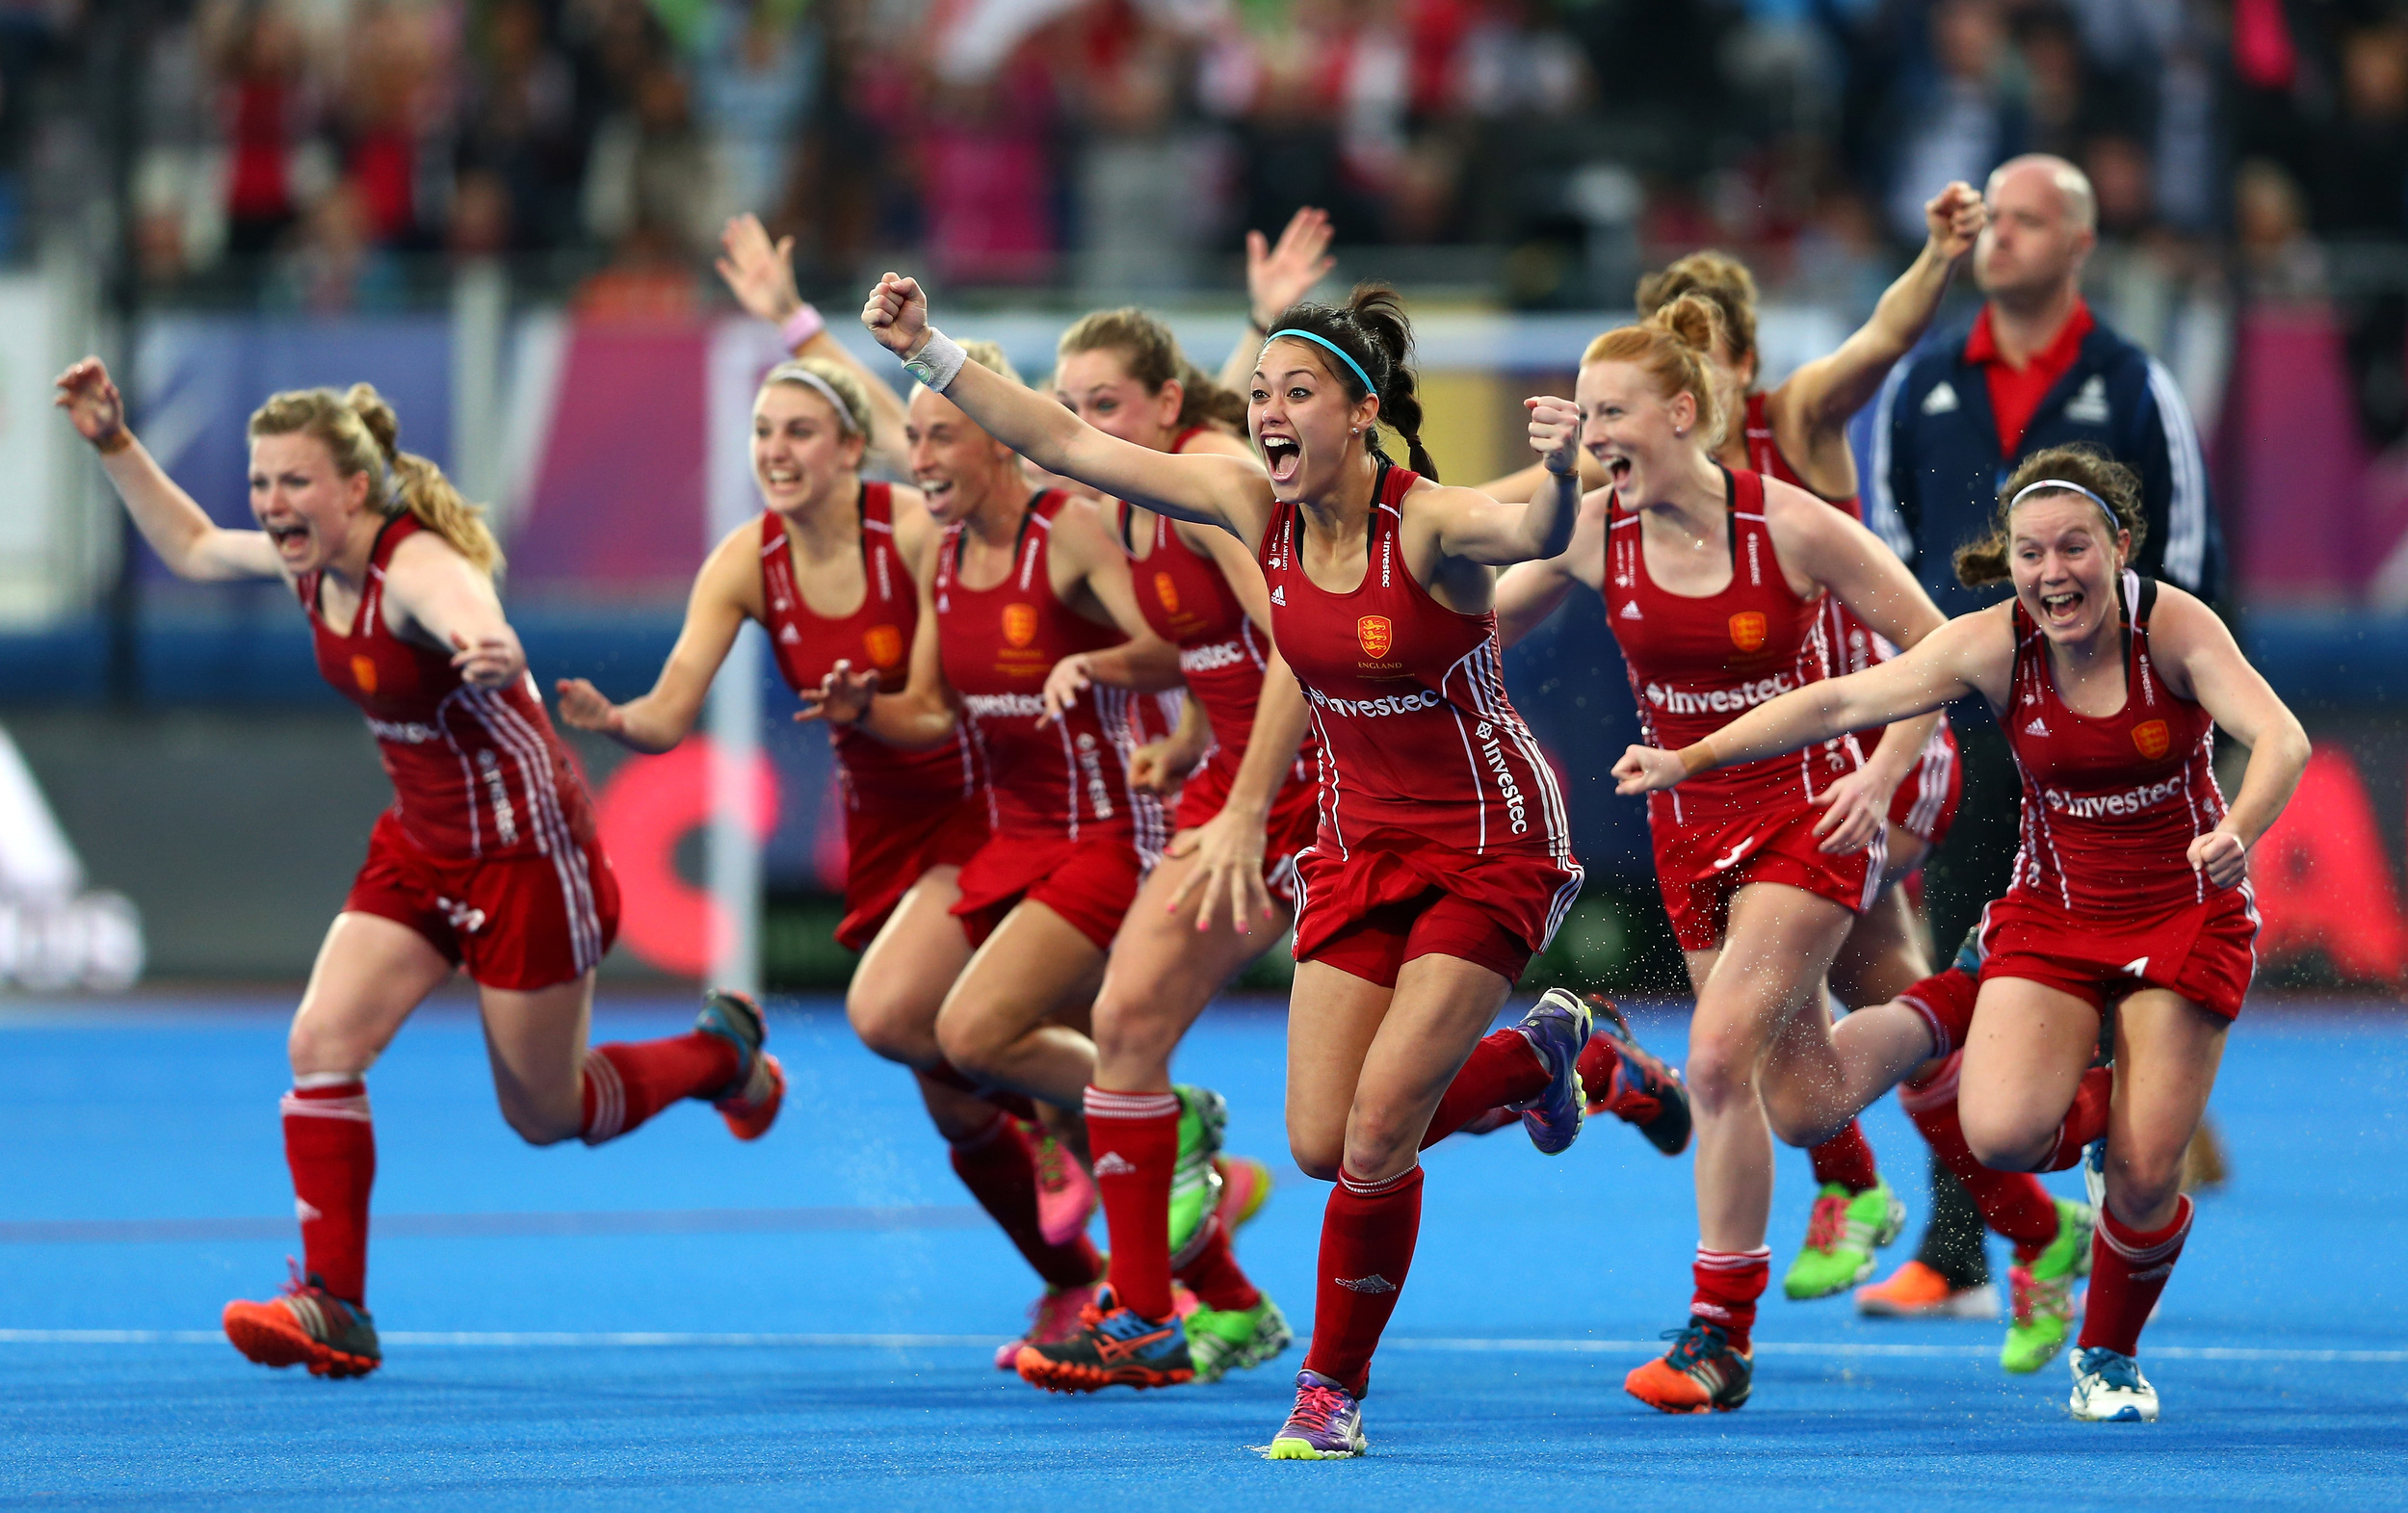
[
  {"x": 1557, "y": 1027},
  {"x": 1327, "y": 1423}
]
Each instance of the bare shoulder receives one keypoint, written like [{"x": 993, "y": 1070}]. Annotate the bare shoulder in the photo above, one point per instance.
[
  {"x": 2181, "y": 622},
  {"x": 424, "y": 553},
  {"x": 915, "y": 529}
]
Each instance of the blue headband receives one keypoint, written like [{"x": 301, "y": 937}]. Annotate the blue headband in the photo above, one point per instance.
[{"x": 1369, "y": 387}]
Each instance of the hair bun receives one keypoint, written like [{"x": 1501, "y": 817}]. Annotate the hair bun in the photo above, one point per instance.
[
  {"x": 377, "y": 416},
  {"x": 1691, "y": 319}
]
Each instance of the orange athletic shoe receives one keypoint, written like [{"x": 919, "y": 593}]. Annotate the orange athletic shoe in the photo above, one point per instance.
[
  {"x": 1701, "y": 1373},
  {"x": 750, "y": 1104},
  {"x": 1915, "y": 1291},
  {"x": 309, "y": 1326}
]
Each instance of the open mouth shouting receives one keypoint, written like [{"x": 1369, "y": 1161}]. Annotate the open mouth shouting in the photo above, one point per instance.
[
  {"x": 1284, "y": 457},
  {"x": 2062, "y": 608},
  {"x": 289, "y": 537}
]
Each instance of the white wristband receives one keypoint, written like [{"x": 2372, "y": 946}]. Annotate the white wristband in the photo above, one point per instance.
[{"x": 937, "y": 362}]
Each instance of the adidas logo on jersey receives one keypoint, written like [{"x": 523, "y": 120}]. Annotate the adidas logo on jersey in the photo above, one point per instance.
[
  {"x": 2038, "y": 727},
  {"x": 1111, "y": 1164},
  {"x": 2090, "y": 404},
  {"x": 789, "y": 636},
  {"x": 1630, "y": 612},
  {"x": 1279, "y": 595},
  {"x": 1374, "y": 1282},
  {"x": 1941, "y": 399}
]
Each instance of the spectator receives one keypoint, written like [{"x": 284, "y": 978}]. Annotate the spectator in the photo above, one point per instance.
[
  {"x": 1959, "y": 120},
  {"x": 2033, "y": 369}
]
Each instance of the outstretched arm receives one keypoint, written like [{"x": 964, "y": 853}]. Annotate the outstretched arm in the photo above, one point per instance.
[
  {"x": 1966, "y": 654},
  {"x": 1528, "y": 593},
  {"x": 177, "y": 528},
  {"x": 1819, "y": 397},
  {"x": 1205, "y": 487},
  {"x": 714, "y": 613},
  {"x": 450, "y": 603},
  {"x": 919, "y": 718},
  {"x": 1275, "y": 279},
  {"x": 761, "y": 275}
]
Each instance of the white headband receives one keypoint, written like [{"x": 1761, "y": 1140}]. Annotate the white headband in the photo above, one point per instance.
[
  {"x": 2029, "y": 489},
  {"x": 796, "y": 373}
]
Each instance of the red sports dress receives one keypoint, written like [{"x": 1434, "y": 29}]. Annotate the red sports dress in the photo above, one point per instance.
[
  {"x": 1924, "y": 805},
  {"x": 489, "y": 850},
  {"x": 2104, "y": 899},
  {"x": 1222, "y": 654},
  {"x": 1442, "y": 830},
  {"x": 1068, "y": 830},
  {"x": 904, "y": 811},
  {"x": 1695, "y": 666}
]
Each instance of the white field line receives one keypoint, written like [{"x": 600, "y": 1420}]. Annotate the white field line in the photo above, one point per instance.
[{"x": 627, "y": 1339}]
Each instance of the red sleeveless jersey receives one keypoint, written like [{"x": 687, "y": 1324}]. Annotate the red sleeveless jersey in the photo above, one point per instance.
[
  {"x": 476, "y": 772},
  {"x": 1223, "y": 653},
  {"x": 879, "y": 633},
  {"x": 1409, "y": 704},
  {"x": 1062, "y": 780},
  {"x": 2111, "y": 805},
  {"x": 1699, "y": 664},
  {"x": 1854, "y": 644}
]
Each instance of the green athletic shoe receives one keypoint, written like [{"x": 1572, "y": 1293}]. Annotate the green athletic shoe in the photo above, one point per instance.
[
  {"x": 1195, "y": 1179},
  {"x": 2044, "y": 1293},
  {"x": 1841, "y": 1238},
  {"x": 1238, "y": 1339}
]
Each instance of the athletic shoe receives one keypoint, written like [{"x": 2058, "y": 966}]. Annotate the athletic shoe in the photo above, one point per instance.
[
  {"x": 1195, "y": 1176},
  {"x": 1059, "y": 1313},
  {"x": 1557, "y": 1028},
  {"x": 2109, "y": 1388},
  {"x": 1117, "y": 1347},
  {"x": 1701, "y": 1373},
  {"x": 1326, "y": 1424},
  {"x": 2043, "y": 1294},
  {"x": 750, "y": 1100},
  {"x": 2094, "y": 1174},
  {"x": 306, "y": 1325},
  {"x": 1245, "y": 1187},
  {"x": 1915, "y": 1291},
  {"x": 1066, "y": 1194},
  {"x": 1841, "y": 1236},
  {"x": 1221, "y": 1341},
  {"x": 1633, "y": 1084}
]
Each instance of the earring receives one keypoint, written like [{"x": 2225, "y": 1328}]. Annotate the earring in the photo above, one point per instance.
[{"x": 1355, "y": 430}]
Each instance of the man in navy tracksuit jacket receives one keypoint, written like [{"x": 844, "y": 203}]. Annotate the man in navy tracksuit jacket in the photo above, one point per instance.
[{"x": 2033, "y": 369}]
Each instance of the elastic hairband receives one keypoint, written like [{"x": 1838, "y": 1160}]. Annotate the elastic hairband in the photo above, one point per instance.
[
  {"x": 2029, "y": 489},
  {"x": 796, "y": 373},
  {"x": 1369, "y": 387}
]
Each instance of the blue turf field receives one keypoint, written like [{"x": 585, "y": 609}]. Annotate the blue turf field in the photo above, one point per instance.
[{"x": 808, "y": 1321}]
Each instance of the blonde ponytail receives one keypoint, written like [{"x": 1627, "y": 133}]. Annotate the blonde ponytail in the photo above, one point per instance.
[{"x": 362, "y": 432}]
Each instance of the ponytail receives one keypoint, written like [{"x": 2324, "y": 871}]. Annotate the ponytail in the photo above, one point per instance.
[
  {"x": 1373, "y": 332},
  {"x": 362, "y": 432}
]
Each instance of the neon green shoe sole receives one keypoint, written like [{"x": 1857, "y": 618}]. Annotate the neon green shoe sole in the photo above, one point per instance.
[
  {"x": 1238, "y": 1339},
  {"x": 1841, "y": 1238}
]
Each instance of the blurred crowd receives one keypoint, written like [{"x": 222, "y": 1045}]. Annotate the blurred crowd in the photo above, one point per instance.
[{"x": 1541, "y": 146}]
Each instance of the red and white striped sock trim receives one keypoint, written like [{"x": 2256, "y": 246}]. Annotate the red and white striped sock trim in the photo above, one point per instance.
[
  {"x": 1734, "y": 1260},
  {"x": 2154, "y": 1258},
  {"x": 1939, "y": 1092},
  {"x": 1102, "y": 1104},
  {"x": 607, "y": 1096},
  {"x": 1942, "y": 1042},
  {"x": 1365, "y": 1188},
  {"x": 315, "y": 1104}
]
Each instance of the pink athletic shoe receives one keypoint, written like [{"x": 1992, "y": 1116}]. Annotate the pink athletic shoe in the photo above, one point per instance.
[
  {"x": 1066, "y": 1194},
  {"x": 1059, "y": 1313}
]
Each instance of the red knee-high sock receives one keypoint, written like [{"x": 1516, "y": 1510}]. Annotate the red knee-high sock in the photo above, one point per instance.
[
  {"x": 999, "y": 1167},
  {"x": 1017, "y": 1105},
  {"x": 1728, "y": 1284},
  {"x": 1134, "y": 1138},
  {"x": 1368, "y": 1233},
  {"x": 1212, "y": 1273},
  {"x": 1847, "y": 1158},
  {"x": 2085, "y": 1121},
  {"x": 630, "y": 1081},
  {"x": 2012, "y": 1203},
  {"x": 2129, "y": 1268},
  {"x": 331, "y": 1147},
  {"x": 1502, "y": 1070}
]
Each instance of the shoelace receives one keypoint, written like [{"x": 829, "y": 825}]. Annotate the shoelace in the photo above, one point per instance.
[
  {"x": 1692, "y": 1343},
  {"x": 1053, "y": 1173},
  {"x": 1827, "y": 1225},
  {"x": 1316, "y": 1405},
  {"x": 2113, "y": 1368},
  {"x": 2030, "y": 1294}
]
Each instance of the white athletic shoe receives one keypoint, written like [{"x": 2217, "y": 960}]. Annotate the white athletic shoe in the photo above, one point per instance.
[{"x": 2109, "y": 1388}]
